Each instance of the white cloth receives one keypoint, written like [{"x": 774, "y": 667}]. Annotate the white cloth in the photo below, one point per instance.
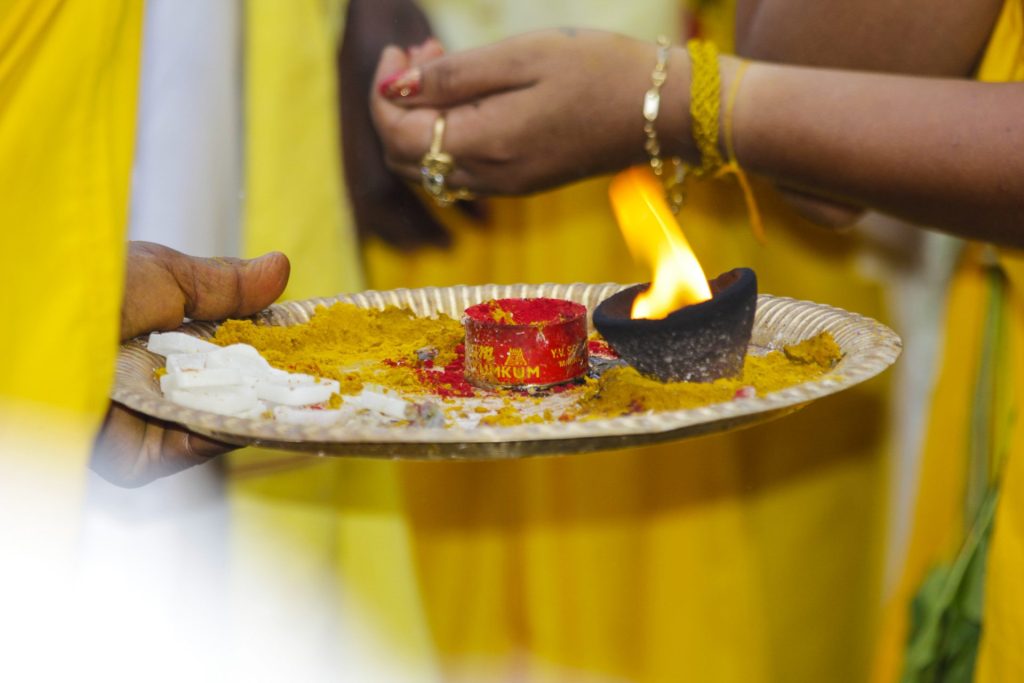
[{"x": 187, "y": 180}]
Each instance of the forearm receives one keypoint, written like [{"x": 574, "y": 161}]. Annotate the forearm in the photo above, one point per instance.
[
  {"x": 539, "y": 110},
  {"x": 940, "y": 152}
]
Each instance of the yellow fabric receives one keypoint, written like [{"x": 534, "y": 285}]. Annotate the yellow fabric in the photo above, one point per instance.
[
  {"x": 753, "y": 556},
  {"x": 294, "y": 199},
  {"x": 298, "y": 520},
  {"x": 1001, "y": 657},
  {"x": 68, "y": 81},
  {"x": 938, "y": 517}
]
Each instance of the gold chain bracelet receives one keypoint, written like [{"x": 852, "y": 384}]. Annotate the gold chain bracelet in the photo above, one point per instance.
[{"x": 670, "y": 172}]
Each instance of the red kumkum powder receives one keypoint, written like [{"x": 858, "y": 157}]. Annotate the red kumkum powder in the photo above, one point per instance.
[
  {"x": 601, "y": 348},
  {"x": 525, "y": 343},
  {"x": 450, "y": 380},
  {"x": 525, "y": 311}
]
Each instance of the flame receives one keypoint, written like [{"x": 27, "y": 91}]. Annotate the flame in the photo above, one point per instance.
[{"x": 654, "y": 237}]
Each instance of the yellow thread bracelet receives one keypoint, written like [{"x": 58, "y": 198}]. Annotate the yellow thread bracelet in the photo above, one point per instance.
[
  {"x": 733, "y": 165},
  {"x": 705, "y": 94}
]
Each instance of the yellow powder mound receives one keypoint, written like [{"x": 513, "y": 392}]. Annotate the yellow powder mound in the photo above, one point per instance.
[
  {"x": 623, "y": 390},
  {"x": 348, "y": 343},
  {"x": 821, "y": 350}
]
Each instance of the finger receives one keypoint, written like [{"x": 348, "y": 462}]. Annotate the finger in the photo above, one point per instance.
[
  {"x": 458, "y": 78},
  {"x": 132, "y": 449},
  {"x": 459, "y": 179},
  {"x": 411, "y": 137},
  {"x": 393, "y": 62},
  {"x": 421, "y": 54},
  {"x": 164, "y": 286},
  {"x": 182, "y": 447},
  {"x": 473, "y": 136},
  {"x": 405, "y": 134},
  {"x": 398, "y": 136},
  {"x": 220, "y": 288}
]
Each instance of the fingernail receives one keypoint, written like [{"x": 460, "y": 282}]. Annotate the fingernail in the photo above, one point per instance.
[
  {"x": 260, "y": 260},
  {"x": 402, "y": 84}
]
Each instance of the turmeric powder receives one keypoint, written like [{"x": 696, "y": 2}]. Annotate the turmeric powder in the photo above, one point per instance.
[
  {"x": 396, "y": 349},
  {"x": 623, "y": 390},
  {"x": 352, "y": 345}
]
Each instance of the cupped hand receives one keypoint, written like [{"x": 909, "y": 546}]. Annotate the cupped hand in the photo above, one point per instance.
[
  {"x": 162, "y": 288},
  {"x": 523, "y": 115}
]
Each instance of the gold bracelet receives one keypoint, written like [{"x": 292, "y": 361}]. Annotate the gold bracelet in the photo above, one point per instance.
[
  {"x": 705, "y": 94},
  {"x": 672, "y": 177}
]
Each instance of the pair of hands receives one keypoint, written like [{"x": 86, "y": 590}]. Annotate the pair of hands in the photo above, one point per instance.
[
  {"x": 162, "y": 288},
  {"x": 543, "y": 109}
]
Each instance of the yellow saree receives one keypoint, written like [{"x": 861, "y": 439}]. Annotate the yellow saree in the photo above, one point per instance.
[
  {"x": 68, "y": 82},
  {"x": 971, "y": 487}
]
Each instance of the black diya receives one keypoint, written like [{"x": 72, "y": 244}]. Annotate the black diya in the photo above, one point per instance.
[{"x": 697, "y": 343}]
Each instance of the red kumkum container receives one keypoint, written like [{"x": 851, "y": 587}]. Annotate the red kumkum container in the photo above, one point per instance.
[{"x": 525, "y": 343}]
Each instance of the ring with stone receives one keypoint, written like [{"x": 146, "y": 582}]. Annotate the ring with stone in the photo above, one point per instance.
[{"x": 435, "y": 166}]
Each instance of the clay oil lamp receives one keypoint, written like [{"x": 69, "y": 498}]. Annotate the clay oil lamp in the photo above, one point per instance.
[{"x": 679, "y": 327}]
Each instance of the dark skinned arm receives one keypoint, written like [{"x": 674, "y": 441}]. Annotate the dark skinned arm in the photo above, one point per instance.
[{"x": 869, "y": 35}]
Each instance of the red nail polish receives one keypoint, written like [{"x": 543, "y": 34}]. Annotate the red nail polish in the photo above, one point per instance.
[{"x": 403, "y": 84}]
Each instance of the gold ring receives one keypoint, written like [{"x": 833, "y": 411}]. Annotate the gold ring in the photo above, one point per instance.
[{"x": 435, "y": 166}]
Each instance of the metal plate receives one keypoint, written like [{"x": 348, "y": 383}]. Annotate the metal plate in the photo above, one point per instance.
[{"x": 868, "y": 347}]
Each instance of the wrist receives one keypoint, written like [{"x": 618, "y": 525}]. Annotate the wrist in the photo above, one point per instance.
[
  {"x": 674, "y": 121},
  {"x": 732, "y": 70},
  {"x": 695, "y": 137},
  {"x": 693, "y": 90}
]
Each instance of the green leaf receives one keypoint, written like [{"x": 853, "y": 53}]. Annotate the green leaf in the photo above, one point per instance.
[{"x": 946, "y": 611}]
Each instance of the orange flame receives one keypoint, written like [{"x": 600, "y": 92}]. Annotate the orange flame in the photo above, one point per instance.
[{"x": 654, "y": 237}]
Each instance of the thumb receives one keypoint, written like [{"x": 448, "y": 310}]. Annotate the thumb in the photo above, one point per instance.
[
  {"x": 429, "y": 49},
  {"x": 162, "y": 286},
  {"x": 453, "y": 79},
  {"x": 217, "y": 288}
]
